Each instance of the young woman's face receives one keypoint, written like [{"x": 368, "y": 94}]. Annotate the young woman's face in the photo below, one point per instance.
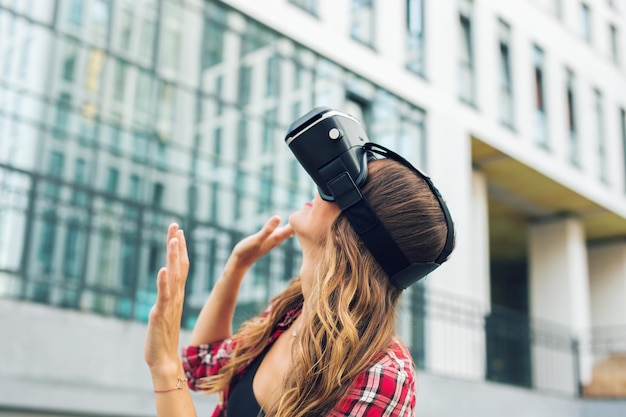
[{"x": 312, "y": 222}]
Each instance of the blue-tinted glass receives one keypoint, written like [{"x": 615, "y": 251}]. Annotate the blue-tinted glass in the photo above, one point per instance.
[
  {"x": 266, "y": 188},
  {"x": 72, "y": 256},
  {"x": 62, "y": 119},
  {"x": 245, "y": 85},
  {"x": 362, "y": 23},
  {"x": 273, "y": 77},
  {"x": 75, "y": 12},
  {"x": 415, "y": 36},
  {"x": 308, "y": 5},
  {"x": 47, "y": 241},
  {"x": 55, "y": 170},
  {"x": 112, "y": 180}
]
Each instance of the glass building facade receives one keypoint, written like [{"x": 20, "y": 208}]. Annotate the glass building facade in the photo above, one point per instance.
[{"x": 119, "y": 117}]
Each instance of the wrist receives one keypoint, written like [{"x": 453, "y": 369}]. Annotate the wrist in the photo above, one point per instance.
[
  {"x": 166, "y": 378},
  {"x": 167, "y": 370},
  {"x": 235, "y": 268}
]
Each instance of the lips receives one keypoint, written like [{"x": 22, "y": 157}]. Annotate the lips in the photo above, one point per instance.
[{"x": 308, "y": 204}]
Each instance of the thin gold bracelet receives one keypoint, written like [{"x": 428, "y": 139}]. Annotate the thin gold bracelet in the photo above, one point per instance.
[{"x": 179, "y": 385}]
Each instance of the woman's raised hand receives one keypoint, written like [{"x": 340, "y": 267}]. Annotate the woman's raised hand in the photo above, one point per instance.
[
  {"x": 161, "y": 346},
  {"x": 253, "y": 247}
]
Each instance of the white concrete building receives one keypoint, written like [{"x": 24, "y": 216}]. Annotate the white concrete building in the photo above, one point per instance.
[{"x": 119, "y": 116}]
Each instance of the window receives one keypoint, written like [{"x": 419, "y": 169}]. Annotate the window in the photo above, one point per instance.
[
  {"x": 8, "y": 61},
  {"x": 99, "y": 26},
  {"x": 212, "y": 260},
  {"x": 166, "y": 110},
  {"x": 55, "y": 170},
  {"x": 110, "y": 186},
  {"x": 359, "y": 108},
  {"x": 622, "y": 113},
  {"x": 75, "y": 13},
  {"x": 129, "y": 254},
  {"x": 69, "y": 64},
  {"x": 266, "y": 188},
  {"x": 157, "y": 194},
  {"x": 214, "y": 194},
  {"x": 506, "y": 81},
  {"x": 116, "y": 138},
  {"x": 298, "y": 69},
  {"x": 170, "y": 48},
  {"x": 134, "y": 190},
  {"x": 245, "y": 85},
  {"x": 142, "y": 91},
  {"x": 308, "y": 5},
  {"x": 134, "y": 194},
  {"x": 24, "y": 62},
  {"x": 614, "y": 43},
  {"x": 242, "y": 138},
  {"x": 466, "y": 57},
  {"x": 294, "y": 174},
  {"x": 170, "y": 36},
  {"x": 541, "y": 134},
  {"x": 112, "y": 180},
  {"x": 140, "y": 145},
  {"x": 62, "y": 118},
  {"x": 161, "y": 155},
  {"x": 55, "y": 166},
  {"x": 192, "y": 197},
  {"x": 585, "y": 22},
  {"x": 213, "y": 42},
  {"x": 240, "y": 190},
  {"x": 415, "y": 36},
  {"x": 217, "y": 147},
  {"x": 268, "y": 136},
  {"x": 601, "y": 145},
  {"x": 45, "y": 255},
  {"x": 119, "y": 83},
  {"x": 79, "y": 198},
  {"x": 148, "y": 30},
  {"x": 571, "y": 118},
  {"x": 362, "y": 25},
  {"x": 272, "y": 87},
  {"x": 296, "y": 110},
  {"x": 72, "y": 254},
  {"x": 126, "y": 29},
  {"x": 219, "y": 93}
]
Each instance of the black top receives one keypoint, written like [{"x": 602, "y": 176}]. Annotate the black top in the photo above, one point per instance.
[{"x": 241, "y": 401}]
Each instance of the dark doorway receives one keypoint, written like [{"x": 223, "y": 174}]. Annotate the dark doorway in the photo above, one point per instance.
[{"x": 508, "y": 325}]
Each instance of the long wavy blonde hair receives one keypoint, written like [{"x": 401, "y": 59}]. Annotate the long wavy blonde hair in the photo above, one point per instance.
[{"x": 351, "y": 304}]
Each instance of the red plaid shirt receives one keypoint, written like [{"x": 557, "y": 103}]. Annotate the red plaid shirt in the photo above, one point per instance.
[{"x": 386, "y": 388}]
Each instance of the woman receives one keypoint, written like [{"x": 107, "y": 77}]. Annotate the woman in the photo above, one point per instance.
[{"x": 326, "y": 346}]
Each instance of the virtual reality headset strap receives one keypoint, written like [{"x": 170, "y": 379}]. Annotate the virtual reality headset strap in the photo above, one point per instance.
[{"x": 374, "y": 234}]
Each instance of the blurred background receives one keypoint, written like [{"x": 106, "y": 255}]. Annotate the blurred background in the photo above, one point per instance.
[{"x": 118, "y": 117}]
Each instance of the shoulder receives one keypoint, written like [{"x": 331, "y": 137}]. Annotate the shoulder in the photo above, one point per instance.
[
  {"x": 391, "y": 375},
  {"x": 395, "y": 360},
  {"x": 386, "y": 387}
]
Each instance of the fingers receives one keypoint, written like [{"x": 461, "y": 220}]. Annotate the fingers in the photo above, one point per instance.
[
  {"x": 177, "y": 258},
  {"x": 281, "y": 234},
  {"x": 171, "y": 231},
  {"x": 183, "y": 254},
  {"x": 163, "y": 288},
  {"x": 270, "y": 225},
  {"x": 172, "y": 263}
]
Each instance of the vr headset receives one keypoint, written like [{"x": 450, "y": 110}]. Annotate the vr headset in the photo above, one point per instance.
[{"x": 334, "y": 150}]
